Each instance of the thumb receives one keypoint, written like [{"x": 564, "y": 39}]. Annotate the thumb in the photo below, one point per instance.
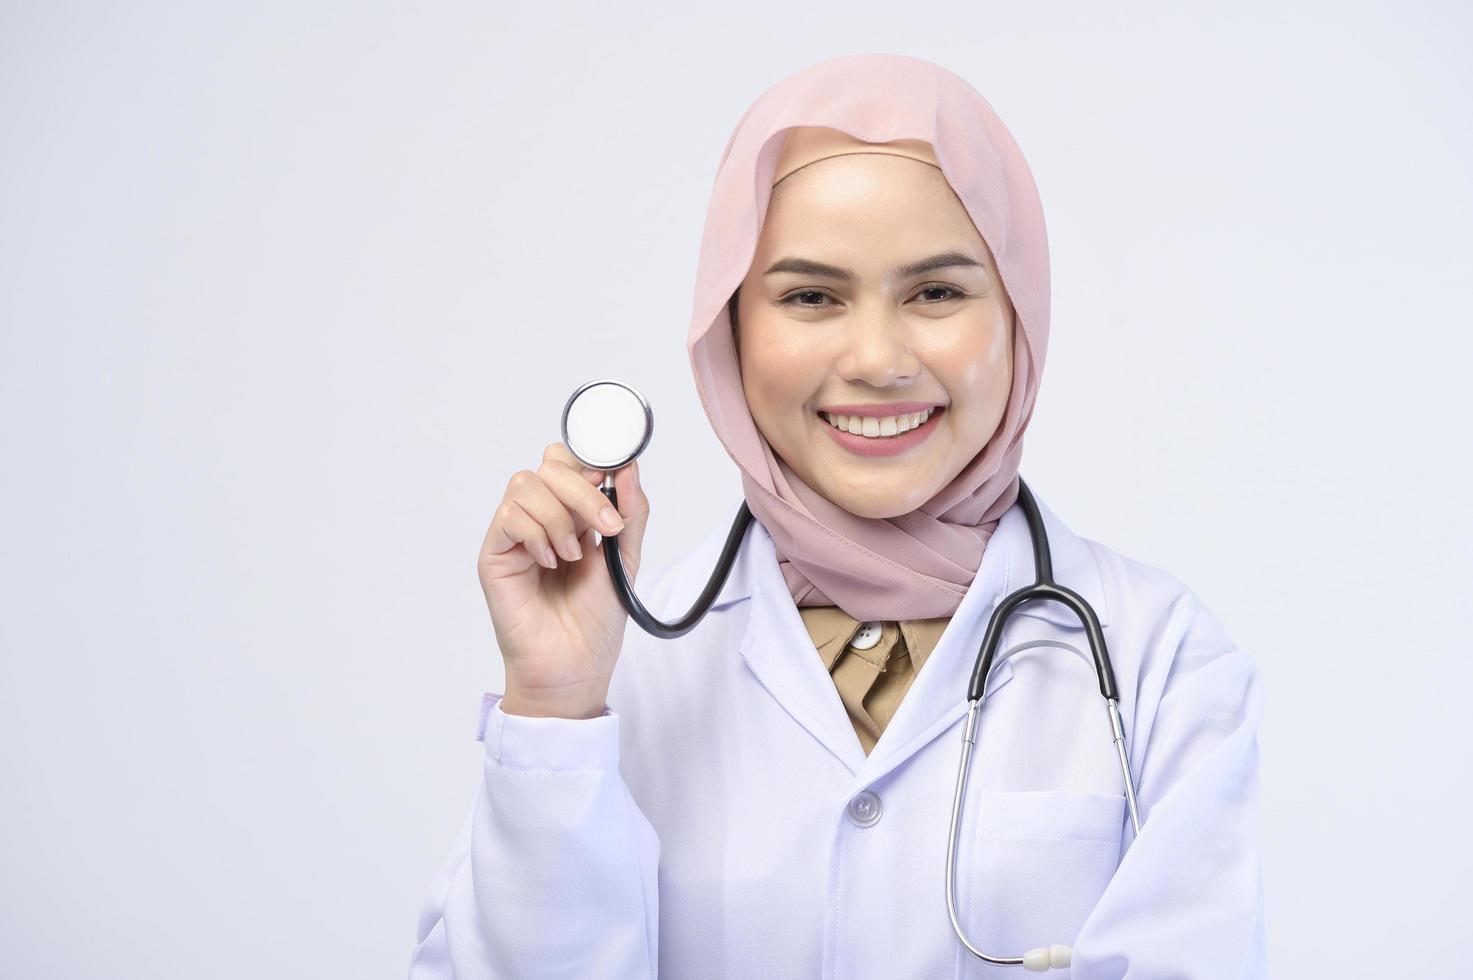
[{"x": 634, "y": 507}]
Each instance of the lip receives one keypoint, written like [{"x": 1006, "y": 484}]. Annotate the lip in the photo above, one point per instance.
[
  {"x": 885, "y": 445},
  {"x": 878, "y": 411}
]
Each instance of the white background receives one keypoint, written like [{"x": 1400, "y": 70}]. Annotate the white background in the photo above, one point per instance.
[{"x": 289, "y": 291}]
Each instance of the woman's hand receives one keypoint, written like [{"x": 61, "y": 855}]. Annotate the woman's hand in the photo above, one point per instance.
[{"x": 557, "y": 618}]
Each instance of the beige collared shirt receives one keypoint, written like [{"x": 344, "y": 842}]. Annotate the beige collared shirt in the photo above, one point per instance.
[{"x": 870, "y": 682}]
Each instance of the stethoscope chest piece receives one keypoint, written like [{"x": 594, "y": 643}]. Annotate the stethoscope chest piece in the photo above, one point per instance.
[{"x": 607, "y": 423}]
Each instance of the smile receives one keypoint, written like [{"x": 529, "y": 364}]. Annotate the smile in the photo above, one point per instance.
[
  {"x": 889, "y": 435},
  {"x": 877, "y": 427}
]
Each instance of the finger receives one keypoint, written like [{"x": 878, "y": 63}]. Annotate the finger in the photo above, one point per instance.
[
  {"x": 560, "y": 452},
  {"x": 635, "y": 507},
  {"x": 560, "y": 524},
  {"x": 512, "y": 527},
  {"x": 580, "y": 497}
]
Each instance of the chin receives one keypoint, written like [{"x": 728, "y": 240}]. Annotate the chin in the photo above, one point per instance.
[
  {"x": 874, "y": 506},
  {"x": 882, "y": 497},
  {"x": 879, "y": 513}
]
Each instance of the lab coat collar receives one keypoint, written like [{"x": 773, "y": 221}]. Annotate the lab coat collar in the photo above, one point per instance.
[{"x": 779, "y": 652}]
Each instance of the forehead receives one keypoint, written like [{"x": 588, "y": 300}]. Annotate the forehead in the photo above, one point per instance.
[{"x": 867, "y": 211}]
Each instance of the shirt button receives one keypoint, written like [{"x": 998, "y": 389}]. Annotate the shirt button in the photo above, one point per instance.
[
  {"x": 864, "y": 809},
  {"x": 868, "y": 636}
]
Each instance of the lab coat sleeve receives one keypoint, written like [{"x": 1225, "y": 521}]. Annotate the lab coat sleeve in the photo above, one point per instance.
[
  {"x": 554, "y": 873},
  {"x": 1187, "y": 900}
]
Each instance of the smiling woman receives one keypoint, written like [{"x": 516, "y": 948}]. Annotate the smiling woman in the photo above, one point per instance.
[
  {"x": 873, "y": 291},
  {"x": 872, "y": 297},
  {"x": 869, "y": 331}
]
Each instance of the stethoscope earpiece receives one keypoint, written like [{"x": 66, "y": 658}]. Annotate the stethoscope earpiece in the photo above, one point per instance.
[{"x": 1047, "y": 958}]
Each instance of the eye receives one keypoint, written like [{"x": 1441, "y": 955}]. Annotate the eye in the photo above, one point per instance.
[
  {"x": 938, "y": 288},
  {"x": 792, "y": 299}
]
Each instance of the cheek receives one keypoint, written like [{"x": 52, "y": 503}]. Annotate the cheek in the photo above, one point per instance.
[
  {"x": 984, "y": 359},
  {"x": 778, "y": 374},
  {"x": 979, "y": 374}
]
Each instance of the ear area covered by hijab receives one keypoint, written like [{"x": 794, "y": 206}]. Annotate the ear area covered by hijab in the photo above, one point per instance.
[{"x": 917, "y": 565}]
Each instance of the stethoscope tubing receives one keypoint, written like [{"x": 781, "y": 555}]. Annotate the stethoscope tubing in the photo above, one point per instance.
[
  {"x": 619, "y": 575},
  {"x": 1044, "y": 588}
]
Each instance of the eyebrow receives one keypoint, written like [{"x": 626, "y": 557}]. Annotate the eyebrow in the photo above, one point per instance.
[{"x": 809, "y": 267}]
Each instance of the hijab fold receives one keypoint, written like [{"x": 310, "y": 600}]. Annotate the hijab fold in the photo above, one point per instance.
[{"x": 917, "y": 565}]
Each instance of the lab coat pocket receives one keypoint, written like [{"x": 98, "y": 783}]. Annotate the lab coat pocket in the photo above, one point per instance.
[{"x": 1030, "y": 868}]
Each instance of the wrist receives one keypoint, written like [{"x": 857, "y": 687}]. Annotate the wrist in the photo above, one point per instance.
[{"x": 562, "y": 705}]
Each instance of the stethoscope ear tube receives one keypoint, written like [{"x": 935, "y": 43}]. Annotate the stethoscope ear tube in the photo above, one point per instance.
[
  {"x": 1044, "y": 588},
  {"x": 636, "y": 609},
  {"x": 1104, "y": 672}
]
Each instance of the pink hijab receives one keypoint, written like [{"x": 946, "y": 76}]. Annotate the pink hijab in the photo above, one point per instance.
[{"x": 917, "y": 565}]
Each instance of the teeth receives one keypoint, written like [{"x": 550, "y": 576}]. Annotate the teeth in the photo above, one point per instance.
[{"x": 868, "y": 425}]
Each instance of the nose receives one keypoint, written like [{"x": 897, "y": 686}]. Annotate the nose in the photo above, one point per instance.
[{"x": 878, "y": 350}]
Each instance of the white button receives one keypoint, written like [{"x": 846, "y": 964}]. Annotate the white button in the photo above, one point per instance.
[
  {"x": 868, "y": 636},
  {"x": 864, "y": 809}
]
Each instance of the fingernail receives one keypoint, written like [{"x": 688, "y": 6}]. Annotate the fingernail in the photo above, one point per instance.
[
  {"x": 548, "y": 557},
  {"x": 611, "y": 520},
  {"x": 571, "y": 546}
]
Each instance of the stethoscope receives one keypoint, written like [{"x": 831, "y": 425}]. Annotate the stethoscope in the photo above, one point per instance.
[{"x": 607, "y": 423}]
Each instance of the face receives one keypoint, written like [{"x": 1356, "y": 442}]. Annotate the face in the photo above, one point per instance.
[{"x": 871, "y": 298}]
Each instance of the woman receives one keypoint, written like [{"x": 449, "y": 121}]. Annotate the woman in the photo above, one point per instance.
[{"x": 769, "y": 795}]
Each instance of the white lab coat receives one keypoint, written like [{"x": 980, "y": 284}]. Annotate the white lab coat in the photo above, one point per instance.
[{"x": 705, "y": 825}]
